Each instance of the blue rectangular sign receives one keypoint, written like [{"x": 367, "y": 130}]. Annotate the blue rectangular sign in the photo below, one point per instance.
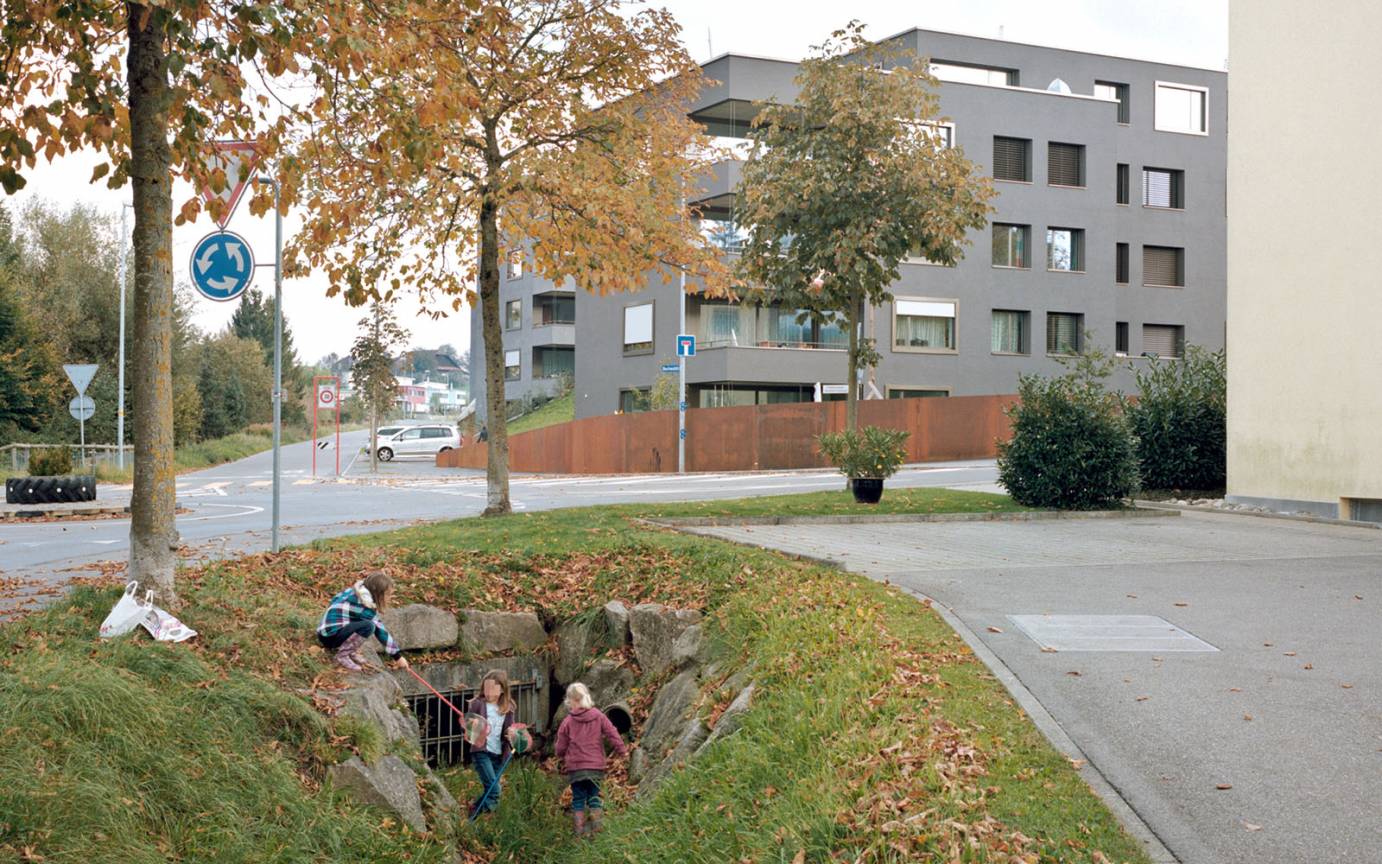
[
  {"x": 670, "y": 367},
  {"x": 686, "y": 345}
]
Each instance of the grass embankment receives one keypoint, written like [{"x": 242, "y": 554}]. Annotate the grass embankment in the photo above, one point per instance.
[
  {"x": 836, "y": 503},
  {"x": 875, "y": 735},
  {"x": 560, "y": 410}
]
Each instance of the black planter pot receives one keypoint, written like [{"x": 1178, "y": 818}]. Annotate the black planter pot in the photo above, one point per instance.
[
  {"x": 867, "y": 490},
  {"x": 50, "y": 490}
]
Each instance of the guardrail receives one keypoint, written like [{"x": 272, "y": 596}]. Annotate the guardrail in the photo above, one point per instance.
[{"x": 17, "y": 458}]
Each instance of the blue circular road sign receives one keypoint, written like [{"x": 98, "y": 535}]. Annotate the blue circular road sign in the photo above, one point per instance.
[{"x": 222, "y": 266}]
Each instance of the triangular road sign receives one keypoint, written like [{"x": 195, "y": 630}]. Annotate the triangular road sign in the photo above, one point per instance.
[
  {"x": 237, "y": 159},
  {"x": 80, "y": 374}
]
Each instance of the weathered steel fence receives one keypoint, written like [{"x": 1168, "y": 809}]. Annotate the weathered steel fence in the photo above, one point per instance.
[
  {"x": 747, "y": 438},
  {"x": 15, "y": 457}
]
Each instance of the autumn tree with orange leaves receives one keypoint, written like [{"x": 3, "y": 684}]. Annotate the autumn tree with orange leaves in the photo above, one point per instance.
[
  {"x": 449, "y": 131},
  {"x": 148, "y": 86}
]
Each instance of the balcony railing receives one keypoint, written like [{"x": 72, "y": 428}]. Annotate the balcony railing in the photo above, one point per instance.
[
  {"x": 708, "y": 344},
  {"x": 552, "y": 321}
]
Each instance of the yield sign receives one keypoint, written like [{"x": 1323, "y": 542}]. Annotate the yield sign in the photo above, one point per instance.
[
  {"x": 237, "y": 159},
  {"x": 80, "y": 374}
]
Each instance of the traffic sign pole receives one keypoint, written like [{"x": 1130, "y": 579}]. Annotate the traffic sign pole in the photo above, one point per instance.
[
  {"x": 278, "y": 356},
  {"x": 681, "y": 381}
]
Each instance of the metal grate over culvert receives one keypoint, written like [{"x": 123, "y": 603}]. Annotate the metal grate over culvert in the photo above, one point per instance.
[{"x": 442, "y": 732}]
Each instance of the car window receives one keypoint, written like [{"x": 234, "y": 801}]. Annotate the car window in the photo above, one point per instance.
[
  {"x": 412, "y": 434},
  {"x": 433, "y": 432},
  {"x": 390, "y": 430}
]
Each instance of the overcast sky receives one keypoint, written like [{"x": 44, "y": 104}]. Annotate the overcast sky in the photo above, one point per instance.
[{"x": 1188, "y": 32}]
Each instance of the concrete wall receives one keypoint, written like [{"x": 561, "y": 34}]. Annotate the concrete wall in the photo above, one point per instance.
[{"x": 1304, "y": 370}]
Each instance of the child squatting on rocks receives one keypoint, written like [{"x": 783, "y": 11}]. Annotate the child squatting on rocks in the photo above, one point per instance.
[
  {"x": 353, "y": 617},
  {"x": 491, "y": 740},
  {"x": 580, "y": 746}
]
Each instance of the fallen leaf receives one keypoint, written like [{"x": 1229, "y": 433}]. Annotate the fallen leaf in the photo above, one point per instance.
[
  {"x": 1251, "y": 827},
  {"x": 1266, "y": 644},
  {"x": 1247, "y": 717},
  {"x": 1308, "y": 666},
  {"x": 1073, "y": 673},
  {"x": 1077, "y": 764},
  {"x": 1143, "y": 698},
  {"x": 800, "y": 857},
  {"x": 1289, "y": 653},
  {"x": 993, "y": 629},
  {"x": 1182, "y": 604},
  {"x": 1346, "y": 686},
  {"x": 1357, "y": 596},
  {"x": 1133, "y": 596},
  {"x": 1047, "y": 649},
  {"x": 1235, "y": 689},
  {"x": 1222, "y": 786}
]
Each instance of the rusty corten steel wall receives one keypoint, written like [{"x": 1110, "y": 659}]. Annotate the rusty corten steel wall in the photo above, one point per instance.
[{"x": 746, "y": 438}]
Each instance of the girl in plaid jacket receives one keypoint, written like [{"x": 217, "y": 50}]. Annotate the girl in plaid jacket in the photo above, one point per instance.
[{"x": 353, "y": 617}]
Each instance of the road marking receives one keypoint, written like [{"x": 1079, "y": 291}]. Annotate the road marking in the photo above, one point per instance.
[
  {"x": 105, "y": 542},
  {"x": 306, "y": 481},
  {"x": 261, "y": 483}
]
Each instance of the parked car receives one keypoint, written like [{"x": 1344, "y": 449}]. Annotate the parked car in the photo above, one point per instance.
[{"x": 428, "y": 440}]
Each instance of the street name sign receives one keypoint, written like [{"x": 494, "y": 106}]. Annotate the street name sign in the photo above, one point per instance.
[
  {"x": 222, "y": 266},
  {"x": 670, "y": 367}
]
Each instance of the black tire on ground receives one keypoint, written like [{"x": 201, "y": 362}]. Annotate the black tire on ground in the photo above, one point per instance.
[
  {"x": 385, "y": 454},
  {"x": 50, "y": 490}
]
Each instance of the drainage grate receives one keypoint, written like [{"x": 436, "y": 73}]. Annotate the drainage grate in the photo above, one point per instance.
[
  {"x": 1108, "y": 633},
  {"x": 443, "y": 733}
]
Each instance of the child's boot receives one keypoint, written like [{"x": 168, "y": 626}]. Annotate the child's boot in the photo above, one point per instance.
[
  {"x": 578, "y": 819},
  {"x": 346, "y": 649},
  {"x": 593, "y": 826}
]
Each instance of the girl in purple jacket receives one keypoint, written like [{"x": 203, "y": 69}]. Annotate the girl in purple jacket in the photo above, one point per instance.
[{"x": 580, "y": 746}]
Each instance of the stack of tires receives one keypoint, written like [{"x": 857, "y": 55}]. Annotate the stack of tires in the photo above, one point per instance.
[{"x": 50, "y": 490}]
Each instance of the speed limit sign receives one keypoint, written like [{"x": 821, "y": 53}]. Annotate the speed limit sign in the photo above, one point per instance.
[{"x": 326, "y": 398}]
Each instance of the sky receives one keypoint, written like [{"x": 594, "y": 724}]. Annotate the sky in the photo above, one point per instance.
[{"x": 1186, "y": 32}]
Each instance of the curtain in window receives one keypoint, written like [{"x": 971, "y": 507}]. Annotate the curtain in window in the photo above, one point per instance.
[
  {"x": 914, "y": 331},
  {"x": 1009, "y": 245},
  {"x": 1008, "y": 336},
  {"x": 1062, "y": 333},
  {"x": 720, "y": 325},
  {"x": 783, "y": 326}
]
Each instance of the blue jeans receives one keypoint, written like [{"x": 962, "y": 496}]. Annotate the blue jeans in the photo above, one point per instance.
[
  {"x": 487, "y": 766},
  {"x": 335, "y": 640},
  {"x": 585, "y": 795}
]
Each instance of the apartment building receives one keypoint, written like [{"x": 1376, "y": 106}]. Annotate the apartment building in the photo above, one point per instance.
[{"x": 1109, "y": 230}]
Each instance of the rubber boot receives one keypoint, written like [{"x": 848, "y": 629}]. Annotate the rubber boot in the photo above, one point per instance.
[
  {"x": 346, "y": 648},
  {"x": 578, "y": 819},
  {"x": 593, "y": 821}
]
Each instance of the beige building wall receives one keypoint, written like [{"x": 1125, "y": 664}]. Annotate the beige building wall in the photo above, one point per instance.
[{"x": 1305, "y": 254}]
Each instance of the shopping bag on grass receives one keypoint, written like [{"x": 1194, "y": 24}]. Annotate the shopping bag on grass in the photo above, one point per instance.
[
  {"x": 128, "y": 611},
  {"x": 164, "y": 627}
]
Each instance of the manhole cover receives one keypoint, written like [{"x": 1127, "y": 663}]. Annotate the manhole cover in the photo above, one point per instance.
[{"x": 1108, "y": 633}]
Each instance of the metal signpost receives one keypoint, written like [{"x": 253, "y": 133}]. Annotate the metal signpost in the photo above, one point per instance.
[
  {"x": 686, "y": 347},
  {"x": 81, "y": 408},
  {"x": 328, "y": 399}
]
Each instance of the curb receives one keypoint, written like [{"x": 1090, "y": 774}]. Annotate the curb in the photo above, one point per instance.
[
  {"x": 22, "y": 515},
  {"x": 1026, "y": 700},
  {"x": 884, "y": 518},
  {"x": 1288, "y": 517}
]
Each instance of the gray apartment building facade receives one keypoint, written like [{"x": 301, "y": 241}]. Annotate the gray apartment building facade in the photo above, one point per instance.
[{"x": 1109, "y": 230}]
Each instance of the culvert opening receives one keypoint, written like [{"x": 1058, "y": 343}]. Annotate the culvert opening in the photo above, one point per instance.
[
  {"x": 620, "y": 717},
  {"x": 442, "y": 732}
]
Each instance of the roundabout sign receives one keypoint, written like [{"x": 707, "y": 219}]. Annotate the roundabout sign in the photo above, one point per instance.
[{"x": 222, "y": 266}]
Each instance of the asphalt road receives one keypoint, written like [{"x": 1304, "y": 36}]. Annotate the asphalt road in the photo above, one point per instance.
[
  {"x": 1262, "y": 744},
  {"x": 229, "y": 506}
]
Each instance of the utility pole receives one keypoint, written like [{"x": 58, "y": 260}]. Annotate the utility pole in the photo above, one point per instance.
[
  {"x": 681, "y": 378},
  {"x": 278, "y": 355},
  {"x": 120, "y": 362}
]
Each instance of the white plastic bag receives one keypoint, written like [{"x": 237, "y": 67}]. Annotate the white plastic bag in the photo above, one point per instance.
[
  {"x": 127, "y": 613},
  {"x": 164, "y": 627}
]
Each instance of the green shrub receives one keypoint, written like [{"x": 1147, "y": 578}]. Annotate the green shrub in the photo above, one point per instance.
[
  {"x": 871, "y": 452},
  {"x": 50, "y": 462},
  {"x": 1180, "y": 421},
  {"x": 1071, "y": 447}
]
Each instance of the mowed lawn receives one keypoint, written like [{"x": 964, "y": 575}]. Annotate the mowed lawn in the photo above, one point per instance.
[{"x": 875, "y": 735}]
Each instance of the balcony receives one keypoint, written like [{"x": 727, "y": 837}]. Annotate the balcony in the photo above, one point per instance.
[{"x": 554, "y": 318}]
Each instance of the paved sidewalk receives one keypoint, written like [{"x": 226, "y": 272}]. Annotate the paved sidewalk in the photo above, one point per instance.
[{"x": 1283, "y": 704}]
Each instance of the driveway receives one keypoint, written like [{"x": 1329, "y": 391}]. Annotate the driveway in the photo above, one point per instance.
[{"x": 1231, "y": 689}]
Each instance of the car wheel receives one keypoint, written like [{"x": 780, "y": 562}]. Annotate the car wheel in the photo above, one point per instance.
[
  {"x": 385, "y": 454},
  {"x": 443, "y": 450}
]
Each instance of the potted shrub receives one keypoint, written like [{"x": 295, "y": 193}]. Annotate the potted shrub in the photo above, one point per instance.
[
  {"x": 867, "y": 457},
  {"x": 50, "y": 481}
]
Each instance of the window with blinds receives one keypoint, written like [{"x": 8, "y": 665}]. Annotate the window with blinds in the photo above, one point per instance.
[
  {"x": 1163, "y": 265},
  {"x": 513, "y": 368},
  {"x": 1120, "y": 263},
  {"x": 1163, "y": 187},
  {"x": 638, "y": 328},
  {"x": 1063, "y": 332},
  {"x": 1120, "y": 338},
  {"x": 1064, "y": 164},
  {"x": 1124, "y": 184},
  {"x": 1012, "y": 159},
  {"x": 1163, "y": 340},
  {"x": 1010, "y": 332}
]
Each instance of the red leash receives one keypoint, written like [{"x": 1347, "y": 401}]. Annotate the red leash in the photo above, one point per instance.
[{"x": 459, "y": 712}]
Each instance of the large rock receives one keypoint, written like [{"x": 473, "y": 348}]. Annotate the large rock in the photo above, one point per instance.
[
  {"x": 389, "y": 783},
  {"x": 419, "y": 627},
  {"x": 669, "y": 713},
  {"x": 730, "y": 718},
  {"x": 655, "y": 628},
  {"x": 688, "y": 648},
  {"x": 439, "y": 804},
  {"x": 576, "y": 641},
  {"x": 608, "y": 682},
  {"x": 638, "y": 764},
  {"x": 502, "y": 632},
  {"x": 692, "y": 738},
  {"x": 377, "y": 699},
  {"x": 616, "y": 624}
]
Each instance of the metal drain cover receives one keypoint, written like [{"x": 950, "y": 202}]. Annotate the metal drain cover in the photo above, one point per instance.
[{"x": 1108, "y": 633}]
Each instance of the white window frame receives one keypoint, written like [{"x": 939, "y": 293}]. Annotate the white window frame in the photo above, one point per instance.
[
  {"x": 932, "y": 127},
  {"x": 1172, "y": 85},
  {"x": 650, "y": 341},
  {"x": 517, "y": 357},
  {"x": 508, "y": 304},
  {"x": 927, "y": 307}
]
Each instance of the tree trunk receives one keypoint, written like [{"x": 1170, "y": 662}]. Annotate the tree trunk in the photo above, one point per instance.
[
  {"x": 153, "y": 535},
  {"x": 497, "y": 464}
]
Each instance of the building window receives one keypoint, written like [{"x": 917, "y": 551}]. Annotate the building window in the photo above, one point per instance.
[
  {"x": 1163, "y": 187},
  {"x": 1181, "y": 108},
  {"x": 916, "y": 392},
  {"x": 1163, "y": 340},
  {"x": 634, "y": 400},
  {"x": 1065, "y": 249},
  {"x": 1010, "y": 245},
  {"x": 549, "y": 362},
  {"x": 1124, "y": 184},
  {"x": 513, "y": 314},
  {"x": 1064, "y": 333},
  {"x": 1120, "y": 338},
  {"x": 964, "y": 73},
  {"x": 1120, "y": 264},
  {"x": 513, "y": 369},
  {"x": 1164, "y": 266},
  {"x": 795, "y": 328},
  {"x": 516, "y": 264},
  {"x": 553, "y": 309},
  {"x": 1064, "y": 164},
  {"x": 941, "y": 132},
  {"x": 1012, "y": 159},
  {"x": 923, "y": 325},
  {"x": 1110, "y": 90},
  {"x": 638, "y": 329},
  {"x": 1010, "y": 334}
]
